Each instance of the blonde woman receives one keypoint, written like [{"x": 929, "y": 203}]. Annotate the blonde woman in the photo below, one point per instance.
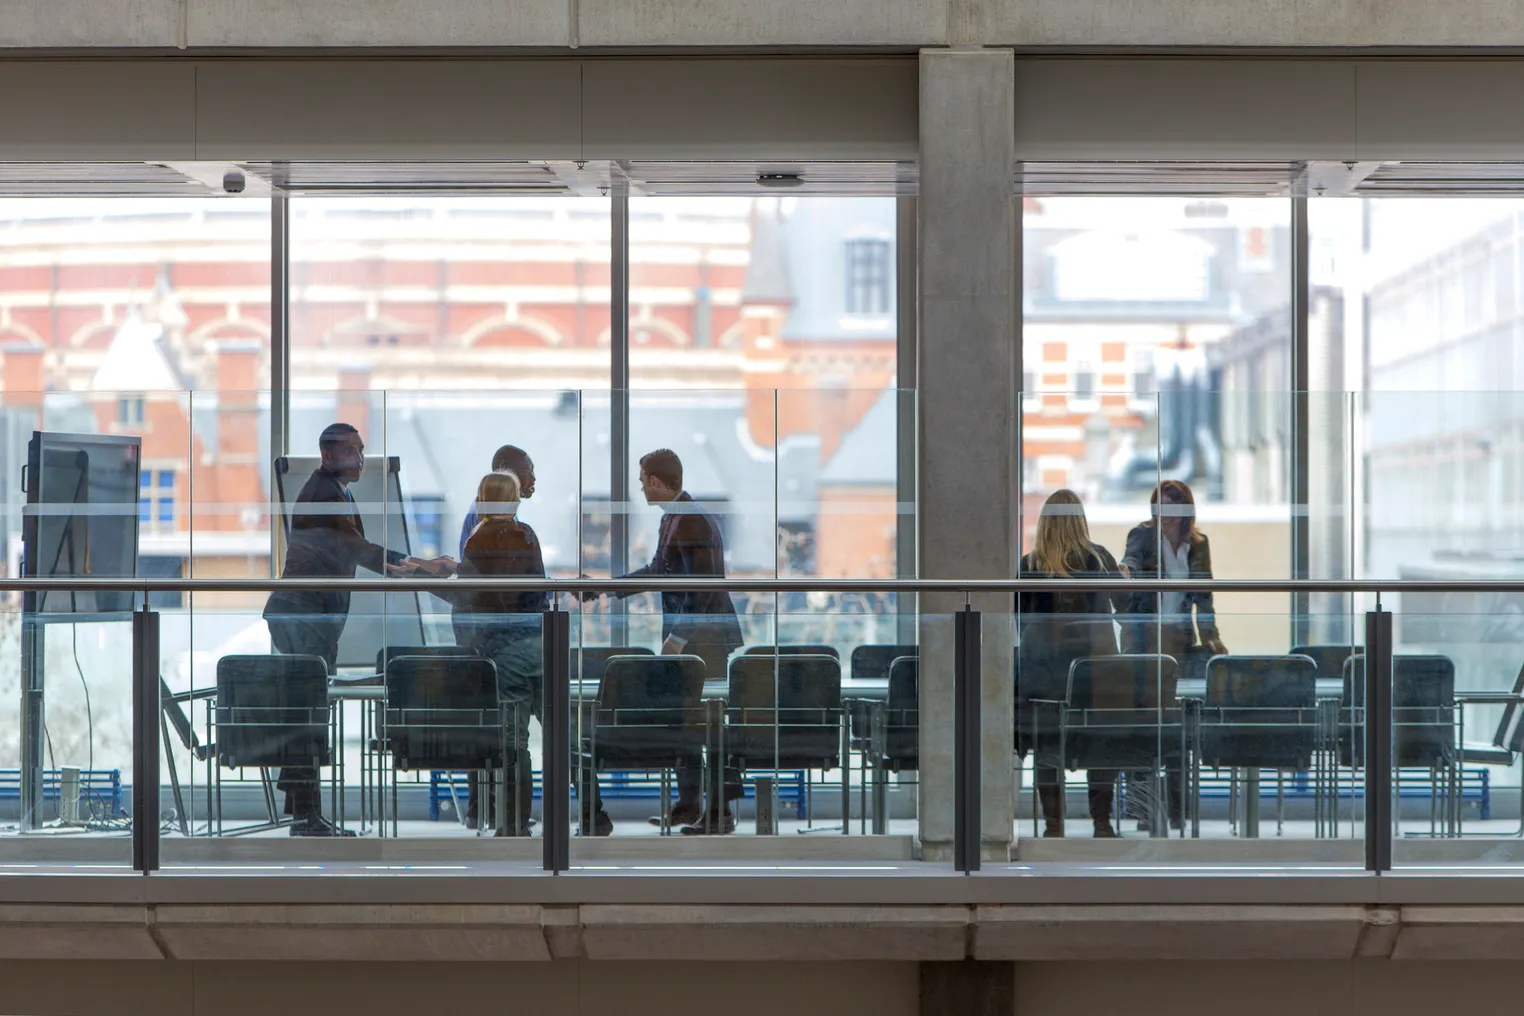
[
  {"x": 1056, "y": 629},
  {"x": 505, "y": 626}
]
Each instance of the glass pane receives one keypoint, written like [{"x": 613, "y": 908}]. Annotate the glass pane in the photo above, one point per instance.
[
  {"x": 1456, "y": 691},
  {"x": 811, "y": 740},
  {"x": 1256, "y": 750}
]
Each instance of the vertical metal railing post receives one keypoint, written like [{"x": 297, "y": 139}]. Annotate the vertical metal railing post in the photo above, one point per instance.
[
  {"x": 967, "y": 749},
  {"x": 1378, "y": 740},
  {"x": 556, "y": 738},
  {"x": 145, "y": 740}
]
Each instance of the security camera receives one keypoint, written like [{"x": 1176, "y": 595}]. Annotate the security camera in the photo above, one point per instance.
[{"x": 233, "y": 183}]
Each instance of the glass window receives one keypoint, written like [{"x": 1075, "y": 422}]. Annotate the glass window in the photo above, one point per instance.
[
  {"x": 1082, "y": 376},
  {"x": 129, "y": 411},
  {"x": 156, "y": 503},
  {"x": 870, "y": 275}
]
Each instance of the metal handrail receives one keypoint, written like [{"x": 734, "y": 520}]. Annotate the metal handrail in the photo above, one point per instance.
[{"x": 652, "y": 584}]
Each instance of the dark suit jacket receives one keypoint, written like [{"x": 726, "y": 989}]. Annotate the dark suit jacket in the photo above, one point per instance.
[
  {"x": 690, "y": 543},
  {"x": 505, "y": 547},
  {"x": 325, "y": 541},
  {"x": 1142, "y": 557},
  {"x": 1059, "y": 628}
]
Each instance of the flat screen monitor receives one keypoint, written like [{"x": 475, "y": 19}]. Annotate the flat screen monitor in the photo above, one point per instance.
[{"x": 81, "y": 519}]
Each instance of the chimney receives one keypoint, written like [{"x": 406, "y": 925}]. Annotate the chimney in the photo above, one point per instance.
[
  {"x": 21, "y": 374},
  {"x": 354, "y": 398},
  {"x": 238, "y": 401}
]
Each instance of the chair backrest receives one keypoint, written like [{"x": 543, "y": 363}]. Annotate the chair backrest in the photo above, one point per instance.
[
  {"x": 1419, "y": 681},
  {"x": 272, "y": 711},
  {"x": 650, "y": 691},
  {"x": 1050, "y": 643},
  {"x": 1423, "y": 709},
  {"x": 1260, "y": 712},
  {"x": 795, "y": 650},
  {"x": 1329, "y": 659},
  {"x": 1423, "y": 682},
  {"x": 1510, "y": 732},
  {"x": 871, "y": 662},
  {"x": 785, "y": 710},
  {"x": 904, "y": 687},
  {"x": 759, "y": 685},
  {"x": 650, "y": 712},
  {"x": 1121, "y": 713},
  {"x": 1262, "y": 682},
  {"x": 593, "y": 660},
  {"x": 443, "y": 712},
  {"x": 1142, "y": 681},
  {"x": 383, "y": 656},
  {"x": 902, "y": 719}
]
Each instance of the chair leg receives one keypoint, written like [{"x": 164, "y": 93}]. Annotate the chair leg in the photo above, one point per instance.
[
  {"x": 1280, "y": 803},
  {"x": 666, "y": 802}
]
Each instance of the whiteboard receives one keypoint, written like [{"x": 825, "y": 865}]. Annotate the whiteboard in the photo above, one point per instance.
[{"x": 376, "y": 620}]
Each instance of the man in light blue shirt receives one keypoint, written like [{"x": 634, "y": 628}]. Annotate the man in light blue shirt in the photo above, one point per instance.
[{"x": 509, "y": 459}]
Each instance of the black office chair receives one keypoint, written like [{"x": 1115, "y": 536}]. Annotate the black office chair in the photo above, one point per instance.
[
  {"x": 271, "y": 712},
  {"x": 1121, "y": 715},
  {"x": 1507, "y": 741},
  {"x": 443, "y": 712},
  {"x": 793, "y": 650},
  {"x": 390, "y": 653},
  {"x": 1423, "y": 730},
  {"x": 785, "y": 712},
  {"x": 902, "y": 717},
  {"x": 1260, "y": 712},
  {"x": 1423, "y": 710},
  {"x": 868, "y": 663},
  {"x": 649, "y": 715}
]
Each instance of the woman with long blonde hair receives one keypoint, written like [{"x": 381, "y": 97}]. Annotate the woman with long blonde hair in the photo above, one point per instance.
[
  {"x": 504, "y": 626},
  {"x": 1056, "y": 629}
]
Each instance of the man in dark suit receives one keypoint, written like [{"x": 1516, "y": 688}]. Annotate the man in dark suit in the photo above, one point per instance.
[
  {"x": 327, "y": 540},
  {"x": 702, "y": 624}
]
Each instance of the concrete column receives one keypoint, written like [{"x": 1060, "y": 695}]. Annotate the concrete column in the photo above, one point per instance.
[
  {"x": 968, "y": 371},
  {"x": 968, "y": 988}
]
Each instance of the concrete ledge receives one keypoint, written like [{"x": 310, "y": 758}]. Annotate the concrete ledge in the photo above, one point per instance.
[
  {"x": 70, "y": 932},
  {"x": 1460, "y": 933},
  {"x": 775, "y": 933},
  {"x": 385, "y": 933},
  {"x": 725, "y": 933},
  {"x": 1167, "y": 933}
]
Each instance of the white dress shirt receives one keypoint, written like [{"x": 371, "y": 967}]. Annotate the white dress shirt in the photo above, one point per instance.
[{"x": 1177, "y": 565}]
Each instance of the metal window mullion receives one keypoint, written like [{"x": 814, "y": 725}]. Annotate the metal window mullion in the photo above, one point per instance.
[
  {"x": 280, "y": 344},
  {"x": 1301, "y": 445},
  {"x": 907, "y": 327},
  {"x": 619, "y": 398}
]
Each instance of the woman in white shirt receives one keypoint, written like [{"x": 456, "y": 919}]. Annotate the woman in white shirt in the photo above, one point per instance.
[{"x": 1182, "y": 625}]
